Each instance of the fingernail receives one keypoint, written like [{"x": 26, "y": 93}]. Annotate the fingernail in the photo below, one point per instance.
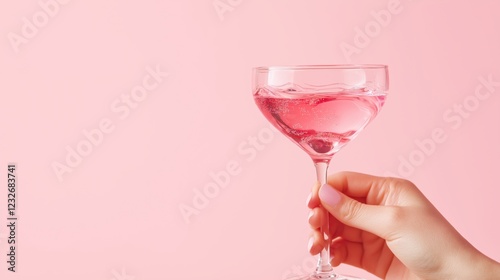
[
  {"x": 308, "y": 199},
  {"x": 329, "y": 195},
  {"x": 311, "y": 213},
  {"x": 310, "y": 243}
]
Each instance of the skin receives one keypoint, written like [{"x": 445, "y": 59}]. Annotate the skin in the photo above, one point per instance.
[{"x": 387, "y": 227}]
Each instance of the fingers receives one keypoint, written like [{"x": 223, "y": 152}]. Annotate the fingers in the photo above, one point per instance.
[
  {"x": 316, "y": 243},
  {"x": 338, "y": 252},
  {"x": 376, "y": 259},
  {"x": 337, "y": 229},
  {"x": 352, "y": 184},
  {"x": 341, "y": 251},
  {"x": 316, "y": 218},
  {"x": 376, "y": 190},
  {"x": 382, "y": 221},
  {"x": 313, "y": 199},
  {"x": 349, "y": 252},
  {"x": 357, "y": 184}
]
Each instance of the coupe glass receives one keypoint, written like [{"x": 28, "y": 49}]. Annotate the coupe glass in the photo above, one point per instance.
[{"x": 321, "y": 108}]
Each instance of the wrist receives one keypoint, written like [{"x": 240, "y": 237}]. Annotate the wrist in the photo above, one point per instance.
[
  {"x": 491, "y": 269},
  {"x": 474, "y": 265}
]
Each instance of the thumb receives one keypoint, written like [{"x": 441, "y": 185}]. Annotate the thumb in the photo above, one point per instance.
[{"x": 382, "y": 221}]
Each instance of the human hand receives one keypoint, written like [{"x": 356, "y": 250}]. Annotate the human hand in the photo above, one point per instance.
[{"x": 387, "y": 227}]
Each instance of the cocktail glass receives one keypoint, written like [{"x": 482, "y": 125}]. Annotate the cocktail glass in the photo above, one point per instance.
[{"x": 321, "y": 108}]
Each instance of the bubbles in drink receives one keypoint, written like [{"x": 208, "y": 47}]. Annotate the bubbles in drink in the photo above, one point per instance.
[{"x": 320, "y": 123}]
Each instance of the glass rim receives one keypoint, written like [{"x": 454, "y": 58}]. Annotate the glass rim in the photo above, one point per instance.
[{"x": 322, "y": 67}]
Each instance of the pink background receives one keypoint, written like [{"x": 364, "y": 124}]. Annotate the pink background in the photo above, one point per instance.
[{"x": 116, "y": 215}]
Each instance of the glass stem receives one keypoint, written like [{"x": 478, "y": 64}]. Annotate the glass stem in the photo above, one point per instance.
[{"x": 324, "y": 268}]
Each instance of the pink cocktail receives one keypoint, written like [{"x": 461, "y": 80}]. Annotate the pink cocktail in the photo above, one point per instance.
[{"x": 321, "y": 108}]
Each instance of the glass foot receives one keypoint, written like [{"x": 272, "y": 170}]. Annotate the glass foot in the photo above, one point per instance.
[{"x": 332, "y": 276}]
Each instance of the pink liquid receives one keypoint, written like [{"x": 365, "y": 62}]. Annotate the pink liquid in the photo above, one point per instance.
[{"x": 321, "y": 124}]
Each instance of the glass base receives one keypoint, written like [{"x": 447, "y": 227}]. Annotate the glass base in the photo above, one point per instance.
[{"x": 332, "y": 276}]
